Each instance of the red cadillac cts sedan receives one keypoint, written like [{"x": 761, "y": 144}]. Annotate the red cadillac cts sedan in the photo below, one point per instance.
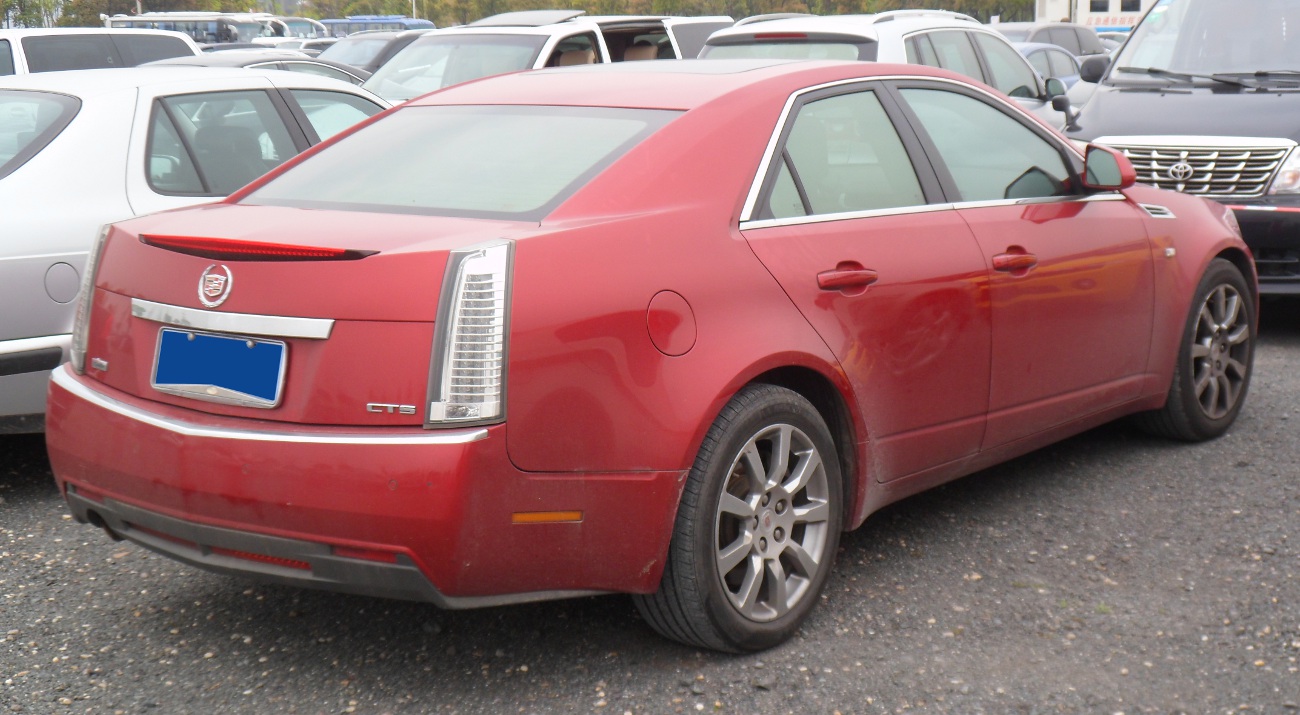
[{"x": 659, "y": 328}]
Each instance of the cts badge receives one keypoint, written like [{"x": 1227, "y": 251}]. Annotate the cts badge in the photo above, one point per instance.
[
  {"x": 214, "y": 285},
  {"x": 390, "y": 409}
]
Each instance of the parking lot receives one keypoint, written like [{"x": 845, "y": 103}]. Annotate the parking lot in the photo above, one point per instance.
[{"x": 1110, "y": 573}]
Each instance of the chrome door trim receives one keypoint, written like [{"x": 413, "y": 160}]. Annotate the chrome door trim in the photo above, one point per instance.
[
  {"x": 66, "y": 380},
  {"x": 278, "y": 326},
  {"x": 924, "y": 208}
]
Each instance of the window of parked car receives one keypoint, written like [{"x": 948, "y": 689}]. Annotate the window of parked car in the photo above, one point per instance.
[
  {"x": 213, "y": 143},
  {"x": 469, "y": 161},
  {"x": 989, "y": 154},
  {"x": 331, "y": 112},
  {"x": 842, "y": 154},
  {"x": 949, "y": 49},
  {"x": 319, "y": 70},
  {"x": 1062, "y": 64},
  {"x": 436, "y": 61},
  {"x": 1009, "y": 72},
  {"x": 69, "y": 52},
  {"x": 139, "y": 49},
  {"x": 6, "y": 58},
  {"x": 29, "y": 121},
  {"x": 1063, "y": 37}
]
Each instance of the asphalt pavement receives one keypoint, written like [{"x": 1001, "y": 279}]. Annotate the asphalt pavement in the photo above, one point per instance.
[{"x": 1111, "y": 573}]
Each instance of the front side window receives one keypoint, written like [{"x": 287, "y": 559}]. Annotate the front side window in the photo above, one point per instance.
[
  {"x": 331, "y": 112},
  {"x": 842, "y": 154},
  {"x": 6, "y": 58},
  {"x": 1063, "y": 65},
  {"x": 432, "y": 63},
  {"x": 475, "y": 161},
  {"x": 29, "y": 121},
  {"x": 1010, "y": 73},
  {"x": 232, "y": 138},
  {"x": 954, "y": 52},
  {"x": 51, "y": 53},
  {"x": 1041, "y": 64},
  {"x": 989, "y": 154}
]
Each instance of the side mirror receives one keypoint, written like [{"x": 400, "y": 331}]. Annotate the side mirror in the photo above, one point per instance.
[
  {"x": 1093, "y": 68},
  {"x": 1107, "y": 169},
  {"x": 1061, "y": 103},
  {"x": 1055, "y": 88}
]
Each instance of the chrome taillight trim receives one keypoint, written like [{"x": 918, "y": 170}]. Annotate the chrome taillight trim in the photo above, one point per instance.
[
  {"x": 467, "y": 370},
  {"x": 277, "y": 326},
  {"x": 76, "y": 388},
  {"x": 85, "y": 302}
]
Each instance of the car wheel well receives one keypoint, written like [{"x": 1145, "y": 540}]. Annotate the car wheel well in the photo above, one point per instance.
[
  {"x": 1244, "y": 263},
  {"x": 828, "y": 400}
]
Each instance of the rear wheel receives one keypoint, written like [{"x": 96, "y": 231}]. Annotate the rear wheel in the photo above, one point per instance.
[
  {"x": 1214, "y": 360},
  {"x": 757, "y": 528}
]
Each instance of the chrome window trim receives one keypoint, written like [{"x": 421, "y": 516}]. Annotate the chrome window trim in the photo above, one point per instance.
[
  {"x": 751, "y": 199},
  {"x": 924, "y": 208},
  {"x": 61, "y": 377},
  {"x": 22, "y": 345},
  {"x": 277, "y": 326}
]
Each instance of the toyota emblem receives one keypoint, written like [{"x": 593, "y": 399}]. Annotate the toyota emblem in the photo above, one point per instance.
[
  {"x": 214, "y": 285},
  {"x": 1182, "y": 171}
]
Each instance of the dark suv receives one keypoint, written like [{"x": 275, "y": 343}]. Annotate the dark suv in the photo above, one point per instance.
[{"x": 1204, "y": 99}]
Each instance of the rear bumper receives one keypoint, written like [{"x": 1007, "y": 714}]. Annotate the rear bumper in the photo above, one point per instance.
[
  {"x": 1272, "y": 230},
  {"x": 416, "y": 514}
]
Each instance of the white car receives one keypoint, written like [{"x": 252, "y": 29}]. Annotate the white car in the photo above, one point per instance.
[
  {"x": 80, "y": 149},
  {"x": 24, "y": 50},
  {"x": 532, "y": 39},
  {"x": 937, "y": 38}
]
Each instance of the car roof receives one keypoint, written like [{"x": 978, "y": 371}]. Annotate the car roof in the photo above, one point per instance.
[
  {"x": 1032, "y": 46},
  {"x": 681, "y": 84},
  {"x": 1037, "y": 24},
  {"x": 36, "y": 31},
  {"x": 866, "y": 26},
  {"x": 235, "y": 58},
  {"x": 86, "y": 83}
]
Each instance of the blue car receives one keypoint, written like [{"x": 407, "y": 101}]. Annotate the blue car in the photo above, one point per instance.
[{"x": 1051, "y": 61}]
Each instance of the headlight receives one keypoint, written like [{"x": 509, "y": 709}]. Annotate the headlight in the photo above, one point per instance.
[
  {"x": 85, "y": 299},
  {"x": 467, "y": 373},
  {"x": 1287, "y": 180}
]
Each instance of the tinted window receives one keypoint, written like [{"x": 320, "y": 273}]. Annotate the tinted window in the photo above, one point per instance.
[
  {"x": 6, "y": 58},
  {"x": 355, "y": 51},
  {"x": 989, "y": 154},
  {"x": 1064, "y": 37},
  {"x": 69, "y": 52},
  {"x": 332, "y": 112},
  {"x": 842, "y": 154},
  {"x": 1015, "y": 35},
  {"x": 690, "y": 36},
  {"x": 1010, "y": 73},
  {"x": 28, "y": 122},
  {"x": 464, "y": 161},
  {"x": 955, "y": 52},
  {"x": 139, "y": 49},
  {"x": 921, "y": 52},
  {"x": 1063, "y": 65},
  {"x": 171, "y": 165},
  {"x": 236, "y": 136}
]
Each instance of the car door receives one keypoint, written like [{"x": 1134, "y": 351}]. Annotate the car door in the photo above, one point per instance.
[
  {"x": 895, "y": 284},
  {"x": 1072, "y": 277}
]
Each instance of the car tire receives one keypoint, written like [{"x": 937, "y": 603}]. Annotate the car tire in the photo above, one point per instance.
[
  {"x": 1215, "y": 359},
  {"x": 756, "y": 530}
]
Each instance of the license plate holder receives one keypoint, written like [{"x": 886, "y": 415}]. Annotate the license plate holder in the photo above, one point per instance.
[{"x": 228, "y": 369}]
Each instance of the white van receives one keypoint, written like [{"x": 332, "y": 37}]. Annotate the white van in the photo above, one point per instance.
[{"x": 77, "y": 48}]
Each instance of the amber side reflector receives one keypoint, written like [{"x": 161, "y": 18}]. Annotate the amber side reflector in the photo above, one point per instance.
[
  {"x": 387, "y": 557},
  {"x": 545, "y": 517},
  {"x": 229, "y": 249},
  {"x": 261, "y": 558}
]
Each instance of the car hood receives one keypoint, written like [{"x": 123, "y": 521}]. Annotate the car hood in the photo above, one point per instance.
[{"x": 1187, "y": 110}]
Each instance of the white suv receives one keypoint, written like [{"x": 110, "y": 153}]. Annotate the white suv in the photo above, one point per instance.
[
  {"x": 926, "y": 37},
  {"x": 82, "y": 48},
  {"x": 536, "y": 38}
]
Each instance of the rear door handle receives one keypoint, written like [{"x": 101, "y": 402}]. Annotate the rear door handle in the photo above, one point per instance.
[
  {"x": 1012, "y": 262},
  {"x": 846, "y": 278}
]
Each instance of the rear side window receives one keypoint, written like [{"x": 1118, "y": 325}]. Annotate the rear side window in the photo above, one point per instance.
[
  {"x": 6, "y": 58},
  {"x": 954, "y": 52},
  {"x": 1064, "y": 37},
  {"x": 50, "y": 53},
  {"x": 29, "y": 121},
  {"x": 464, "y": 161},
  {"x": 1010, "y": 73},
  {"x": 139, "y": 49},
  {"x": 331, "y": 112},
  {"x": 213, "y": 143}
]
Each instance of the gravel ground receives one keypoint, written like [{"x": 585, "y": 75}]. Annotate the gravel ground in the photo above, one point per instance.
[{"x": 1112, "y": 573}]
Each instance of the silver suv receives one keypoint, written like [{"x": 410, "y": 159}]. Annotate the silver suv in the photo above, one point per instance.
[{"x": 926, "y": 37}]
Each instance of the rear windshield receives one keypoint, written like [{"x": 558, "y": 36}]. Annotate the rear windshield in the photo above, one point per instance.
[
  {"x": 514, "y": 163},
  {"x": 28, "y": 122},
  {"x": 791, "y": 49},
  {"x": 435, "y": 62},
  {"x": 48, "y": 53}
]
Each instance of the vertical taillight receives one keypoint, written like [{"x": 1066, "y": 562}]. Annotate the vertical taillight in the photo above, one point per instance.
[
  {"x": 85, "y": 297},
  {"x": 467, "y": 375}
]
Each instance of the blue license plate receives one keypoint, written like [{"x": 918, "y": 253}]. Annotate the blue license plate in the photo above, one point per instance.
[{"x": 220, "y": 368}]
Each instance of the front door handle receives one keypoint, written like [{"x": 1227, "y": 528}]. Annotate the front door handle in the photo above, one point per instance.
[
  {"x": 844, "y": 277},
  {"x": 1013, "y": 262}
]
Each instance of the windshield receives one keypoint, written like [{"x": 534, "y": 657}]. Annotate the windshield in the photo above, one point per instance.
[
  {"x": 435, "y": 62},
  {"x": 754, "y": 48},
  {"x": 1214, "y": 37},
  {"x": 475, "y": 161}
]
